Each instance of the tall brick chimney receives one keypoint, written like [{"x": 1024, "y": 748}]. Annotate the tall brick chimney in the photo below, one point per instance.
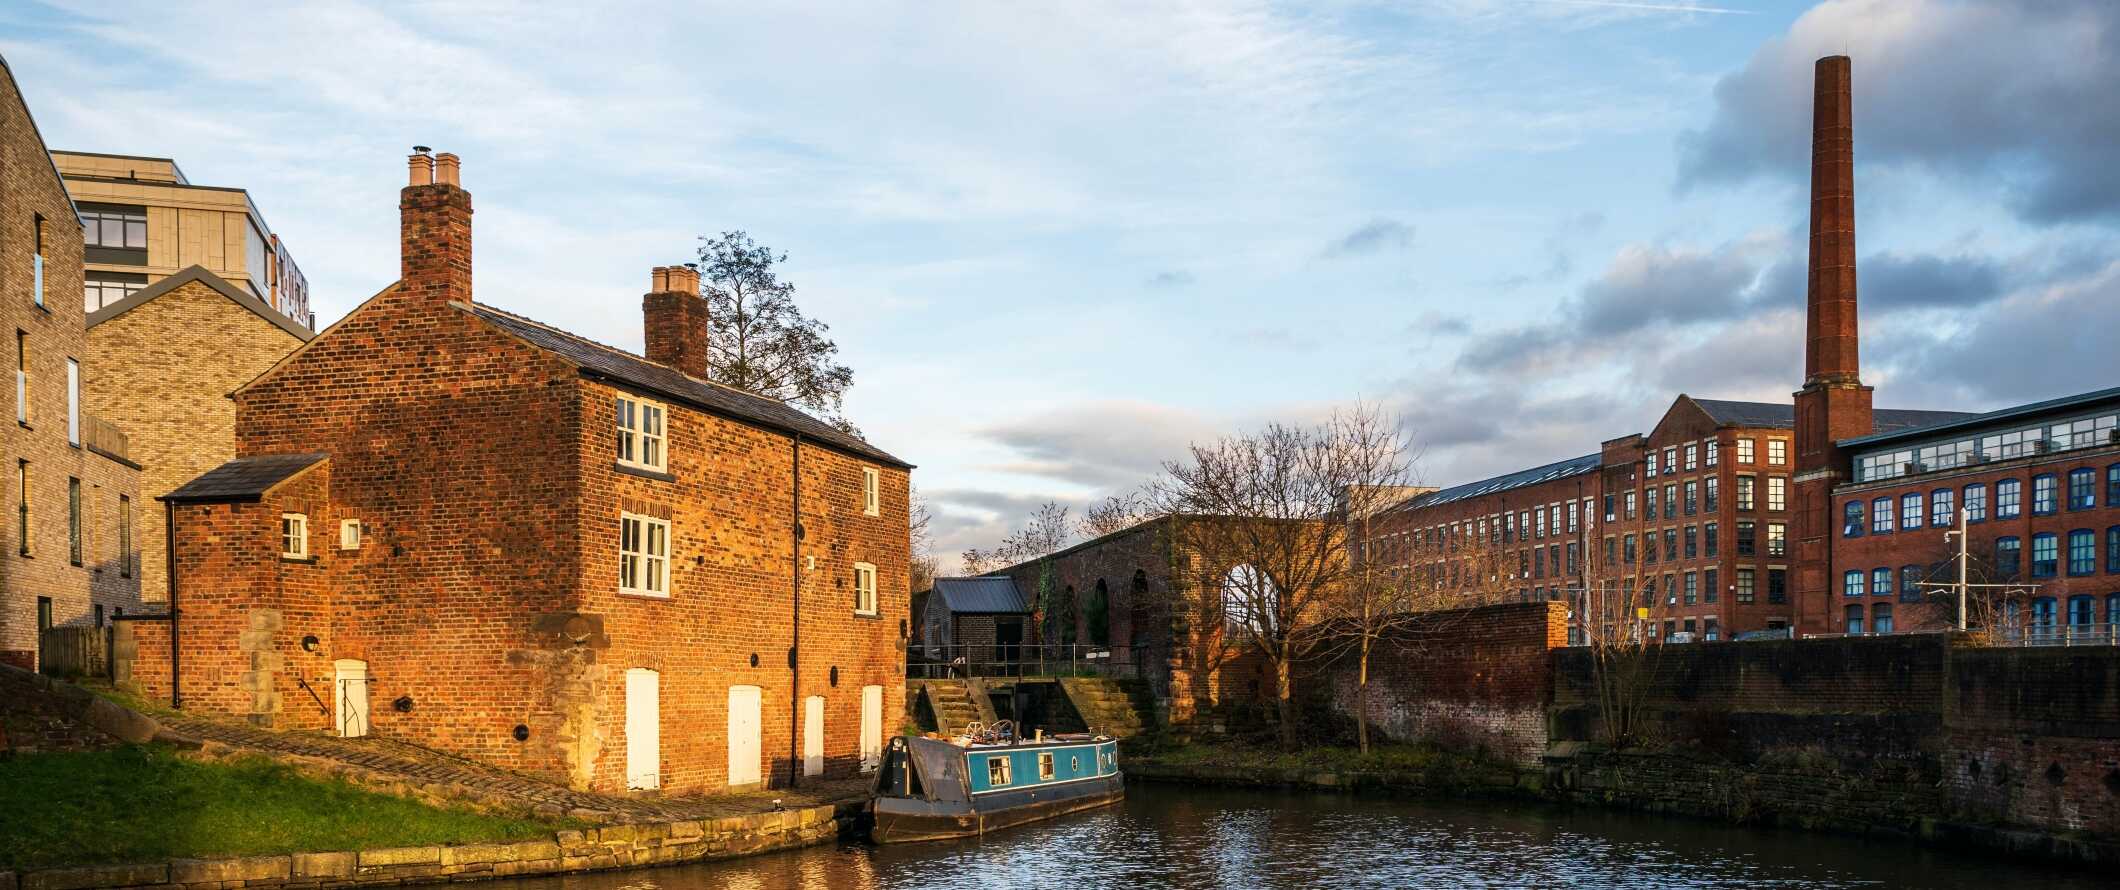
[
  {"x": 674, "y": 317},
  {"x": 434, "y": 224},
  {"x": 1831, "y": 353},
  {"x": 1833, "y": 404}
]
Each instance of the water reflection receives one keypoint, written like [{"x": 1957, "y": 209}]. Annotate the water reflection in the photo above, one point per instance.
[{"x": 1183, "y": 838}]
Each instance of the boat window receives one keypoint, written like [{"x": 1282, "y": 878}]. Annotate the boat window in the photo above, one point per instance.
[
  {"x": 997, "y": 771},
  {"x": 1045, "y": 766},
  {"x": 1074, "y": 763}
]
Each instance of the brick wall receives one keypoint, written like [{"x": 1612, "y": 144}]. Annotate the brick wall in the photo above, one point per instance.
[
  {"x": 1479, "y": 676},
  {"x": 165, "y": 369},
  {"x": 48, "y": 335},
  {"x": 1866, "y": 734}
]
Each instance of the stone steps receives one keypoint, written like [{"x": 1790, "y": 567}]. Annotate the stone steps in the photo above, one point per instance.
[{"x": 1112, "y": 707}]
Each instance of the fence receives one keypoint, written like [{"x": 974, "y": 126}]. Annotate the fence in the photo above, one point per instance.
[
  {"x": 1026, "y": 660},
  {"x": 2072, "y": 634},
  {"x": 74, "y": 651}
]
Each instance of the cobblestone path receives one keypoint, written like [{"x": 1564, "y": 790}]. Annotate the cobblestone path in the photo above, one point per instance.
[{"x": 453, "y": 777}]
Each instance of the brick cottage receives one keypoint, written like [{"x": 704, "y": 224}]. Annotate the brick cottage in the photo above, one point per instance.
[{"x": 450, "y": 524}]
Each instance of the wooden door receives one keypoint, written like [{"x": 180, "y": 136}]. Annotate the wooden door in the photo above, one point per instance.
[
  {"x": 813, "y": 736},
  {"x": 745, "y": 750},
  {"x": 871, "y": 727},
  {"x": 643, "y": 729}
]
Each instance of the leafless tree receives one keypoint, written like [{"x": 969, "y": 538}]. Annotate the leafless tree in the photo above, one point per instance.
[
  {"x": 760, "y": 341},
  {"x": 1405, "y": 589},
  {"x": 1267, "y": 518},
  {"x": 1114, "y": 514},
  {"x": 1047, "y": 532},
  {"x": 1623, "y": 657},
  {"x": 924, "y": 563}
]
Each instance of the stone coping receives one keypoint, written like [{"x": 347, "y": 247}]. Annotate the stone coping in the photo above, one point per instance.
[{"x": 589, "y": 849}]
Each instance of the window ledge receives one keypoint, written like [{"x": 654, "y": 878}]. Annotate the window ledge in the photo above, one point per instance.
[
  {"x": 652, "y": 597},
  {"x": 303, "y": 560},
  {"x": 869, "y": 616},
  {"x": 643, "y": 472}
]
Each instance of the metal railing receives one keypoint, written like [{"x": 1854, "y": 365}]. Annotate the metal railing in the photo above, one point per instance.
[
  {"x": 964, "y": 660},
  {"x": 2058, "y": 634}
]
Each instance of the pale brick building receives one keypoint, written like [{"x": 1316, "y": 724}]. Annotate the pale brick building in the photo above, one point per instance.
[
  {"x": 72, "y": 495},
  {"x": 451, "y": 524},
  {"x": 167, "y": 356}
]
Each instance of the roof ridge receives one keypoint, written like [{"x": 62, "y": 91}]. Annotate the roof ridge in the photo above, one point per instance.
[{"x": 629, "y": 354}]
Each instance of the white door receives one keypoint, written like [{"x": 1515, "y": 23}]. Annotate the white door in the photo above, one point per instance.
[
  {"x": 643, "y": 729},
  {"x": 352, "y": 683},
  {"x": 871, "y": 727},
  {"x": 813, "y": 736},
  {"x": 744, "y": 727}
]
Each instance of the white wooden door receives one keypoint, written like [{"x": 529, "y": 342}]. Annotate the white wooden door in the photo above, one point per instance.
[
  {"x": 871, "y": 727},
  {"x": 643, "y": 729},
  {"x": 351, "y": 680},
  {"x": 744, "y": 727},
  {"x": 813, "y": 736}
]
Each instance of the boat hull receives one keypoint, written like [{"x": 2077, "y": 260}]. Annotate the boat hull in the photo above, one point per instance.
[{"x": 899, "y": 820}]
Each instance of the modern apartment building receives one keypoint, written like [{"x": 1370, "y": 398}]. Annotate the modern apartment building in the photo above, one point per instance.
[
  {"x": 143, "y": 221},
  {"x": 72, "y": 496},
  {"x": 453, "y": 525}
]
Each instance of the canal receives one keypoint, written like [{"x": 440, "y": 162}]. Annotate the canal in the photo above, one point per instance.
[{"x": 1169, "y": 836}]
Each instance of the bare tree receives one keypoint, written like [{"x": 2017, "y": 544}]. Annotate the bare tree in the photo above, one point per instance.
[
  {"x": 1403, "y": 589},
  {"x": 1623, "y": 657},
  {"x": 1114, "y": 514},
  {"x": 924, "y": 563},
  {"x": 1266, "y": 515},
  {"x": 1047, "y": 532}
]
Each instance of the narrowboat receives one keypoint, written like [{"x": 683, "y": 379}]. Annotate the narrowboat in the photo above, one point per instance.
[{"x": 934, "y": 789}]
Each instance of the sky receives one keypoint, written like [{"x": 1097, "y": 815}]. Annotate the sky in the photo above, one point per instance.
[{"x": 1059, "y": 242}]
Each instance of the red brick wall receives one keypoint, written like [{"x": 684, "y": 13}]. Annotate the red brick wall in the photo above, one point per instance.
[
  {"x": 1926, "y": 545},
  {"x": 2033, "y": 736},
  {"x": 730, "y": 508},
  {"x": 1480, "y": 676}
]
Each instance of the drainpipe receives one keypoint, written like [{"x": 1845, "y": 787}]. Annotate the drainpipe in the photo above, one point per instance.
[
  {"x": 795, "y": 726},
  {"x": 169, "y": 559}
]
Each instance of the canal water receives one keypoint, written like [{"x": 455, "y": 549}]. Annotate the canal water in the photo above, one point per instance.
[{"x": 1172, "y": 836}]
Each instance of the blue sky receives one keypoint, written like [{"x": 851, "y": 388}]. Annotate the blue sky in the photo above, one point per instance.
[{"x": 1056, "y": 243}]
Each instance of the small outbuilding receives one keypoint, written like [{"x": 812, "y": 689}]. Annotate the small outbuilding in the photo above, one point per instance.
[{"x": 981, "y": 620}]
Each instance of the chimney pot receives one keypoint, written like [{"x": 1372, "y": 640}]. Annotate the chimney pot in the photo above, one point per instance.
[
  {"x": 422, "y": 169},
  {"x": 446, "y": 168},
  {"x": 659, "y": 279}
]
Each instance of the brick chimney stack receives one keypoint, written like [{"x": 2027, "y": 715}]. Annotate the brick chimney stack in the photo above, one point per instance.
[
  {"x": 1833, "y": 404},
  {"x": 674, "y": 318},
  {"x": 434, "y": 224},
  {"x": 1832, "y": 353}
]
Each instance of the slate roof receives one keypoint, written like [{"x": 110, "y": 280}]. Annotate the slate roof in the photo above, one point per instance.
[
  {"x": 1782, "y": 415},
  {"x": 990, "y": 595},
  {"x": 600, "y": 361},
  {"x": 206, "y": 277},
  {"x": 243, "y": 480},
  {"x": 1574, "y": 466}
]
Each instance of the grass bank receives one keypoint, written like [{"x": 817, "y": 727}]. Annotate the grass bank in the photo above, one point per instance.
[{"x": 145, "y": 803}]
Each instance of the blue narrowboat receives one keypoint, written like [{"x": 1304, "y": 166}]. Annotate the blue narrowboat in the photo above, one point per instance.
[{"x": 931, "y": 789}]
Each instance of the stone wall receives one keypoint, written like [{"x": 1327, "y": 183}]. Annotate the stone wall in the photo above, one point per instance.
[
  {"x": 594, "y": 849},
  {"x": 1477, "y": 677}
]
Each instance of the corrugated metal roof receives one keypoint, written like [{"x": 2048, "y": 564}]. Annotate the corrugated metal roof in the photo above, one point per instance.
[
  {"x": 1949, "y": 421},
  {"x": 600, "y": 360},
  {"x": 985, "y": 595},
  {"x": 1782, "y": 415},
  {"x": 242, "y": 479},
  {"x": 1574, "y": 466}
]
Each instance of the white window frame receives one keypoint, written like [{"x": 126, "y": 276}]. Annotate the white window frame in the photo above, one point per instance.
[
  {"x": 73, "y": 401},
  {"x": 641, "y": 570},
  {"x": 294, "y": 536},
  {"x": 642, "y": 443},
  {"x": 871, "y": 492},
  {"x": 349, "y": 534},
  {"x": 864, "y": 589}
]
